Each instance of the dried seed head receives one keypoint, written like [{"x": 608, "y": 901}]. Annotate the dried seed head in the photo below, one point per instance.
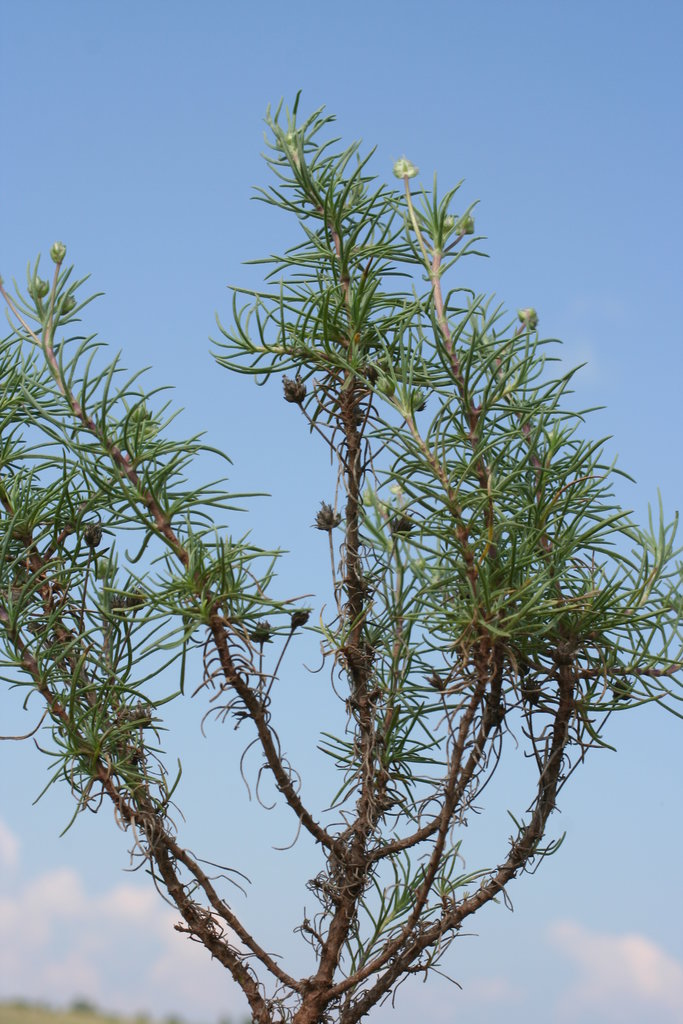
[
  {"x": 401, "y": 524},
  {"x": 128, "y": 602},
  {"x": 531, "y": 691},
  {"x": 137, "y": 714},
  {"x": 295, "y": 390},
  {"x": 436, "y": 681},
  {"x": 327, "y": 518},
  {"x": 92, "y": 534},
  {"x": 621, "y": 689},
  {"x": 299, "y": 618},
  {"x": 261, "y": 633}
]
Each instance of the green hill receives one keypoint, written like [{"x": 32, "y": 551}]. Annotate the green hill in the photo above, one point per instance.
[
  {"x": 80, "y": 1012},
  {"x": 21, "y": 1012}
]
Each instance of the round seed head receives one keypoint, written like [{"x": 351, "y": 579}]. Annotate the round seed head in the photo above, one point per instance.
[
  {"x": 261, "y": 633},
  {"x": 401, "y": 525},
  {"x": 294, "y": 390},
  {"x": 327, "y": 518},
  {"x": 92, "y": 534},
  {"x": 299, "y": 618}
]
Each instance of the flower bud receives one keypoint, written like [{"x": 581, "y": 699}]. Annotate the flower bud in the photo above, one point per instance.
[
  {"x": 448, "y": 222},
  {"x": 404, "y": 169},
  {"x": 466, "y": 225},
  {"x": 68, "y": 304},
  {"x": 105, "y": 569},
  {"x": 57, "y": 252},
  {"x": 529, "y": 317},
  {"x": 39, "y": 288},
  {"x": 385, "y": 386}
]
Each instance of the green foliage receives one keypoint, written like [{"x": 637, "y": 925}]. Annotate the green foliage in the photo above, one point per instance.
[
  {"x": 491, "y": 600},
  {"x": 513, "y": 526},
  {"x": 110, "y": 563}
]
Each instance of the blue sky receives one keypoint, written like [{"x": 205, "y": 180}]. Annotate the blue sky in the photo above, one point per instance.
[{"x": 133, "y": 132}]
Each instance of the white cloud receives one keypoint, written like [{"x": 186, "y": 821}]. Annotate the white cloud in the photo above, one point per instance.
[
  {"x": 622, "y": 976},
  {"x": 59, "y": 941},
  {"x": 9, "y": 847}
]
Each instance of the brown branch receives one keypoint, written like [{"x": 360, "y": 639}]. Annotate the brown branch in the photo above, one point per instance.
[
  {"x": 523, "y": 849},
  {"x": 256, "y": 708},
  {"x": 145, "y": 818},
  {"x": 455, "y": 789}
]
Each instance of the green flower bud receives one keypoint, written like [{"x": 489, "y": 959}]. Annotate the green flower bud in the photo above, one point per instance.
[
  {"x": 466, "y": 226},
  {"x": 57, "y": 252},
  {"x": 68, "y": 304},
  {"x": 404, "y": 169},
  {"x": 40, "y": 288},
  {"x": 105, "y": 569},
  {"x": 529, "y": 317},
  {"x": 448, "y": 222},
  {"x": 385, "y": 386}
]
